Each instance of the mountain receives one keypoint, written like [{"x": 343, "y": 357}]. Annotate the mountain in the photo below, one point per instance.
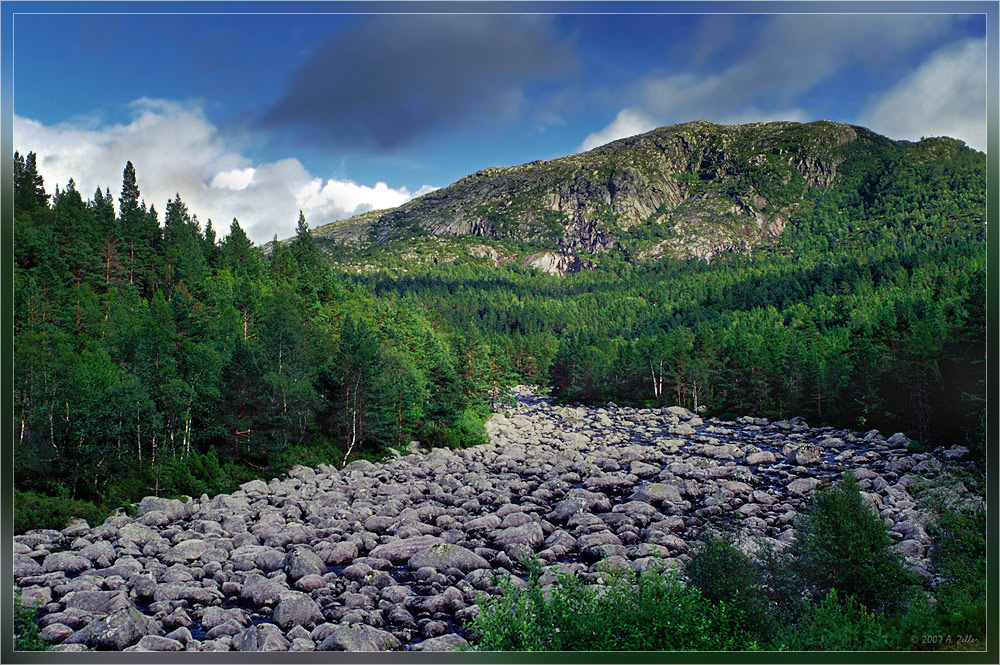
[{"x": 692, "y": 190}]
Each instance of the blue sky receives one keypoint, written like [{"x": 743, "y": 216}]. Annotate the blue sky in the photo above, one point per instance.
[{"x": 259, "y": 116}]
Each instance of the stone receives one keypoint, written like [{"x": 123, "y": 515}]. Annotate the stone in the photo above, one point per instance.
[
  {"x": 657, "y": 494},
  {"x": 186, "y": 551},
  {"x": 805, "y": 455},
  {"x": 25, "y": 566},
  {"x": 762, "y": 457},
  {"x": 442, "y": 556},
  {"x": 172, "y": 508},
  {"x": 67, "y": 562},
  {"x": 260, "y": 590},
  {"x": 262, "y": 637},
  {"x": 216, "y": 616},
  {"x": 340, "y": 554},
  {"x": 158, "y": 643},
  {"x": 803, "y": 486},
  {"x": 55, "y": 633},
  {"x": 302, "y": 561},
  {"x": 100, "y": 553},
  {"x": 359, "y": 637},
  {"x": 297, "y": 609},
  {"x": 528, "y": 535},
  {"x": 115, "y": 631},
  {"x": 400, "y": 551}
]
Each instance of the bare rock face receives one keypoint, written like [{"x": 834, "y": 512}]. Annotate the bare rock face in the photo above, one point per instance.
[
  {"x": 712, "y": 188},
  {"x": 556, "y": 263}
]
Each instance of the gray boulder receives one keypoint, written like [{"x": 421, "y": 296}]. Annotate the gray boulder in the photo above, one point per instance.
[
  {"x": 116, "y": 631},
  {"x": 657, "y": 494},
  {"x": 67, "y": 562},
  {"x": 262, "y": 637},
  {"x": 261, "y": 590},
  {"x": 450, "y": 642},
  {"x": 400, "y": 551},
  {"x": 442, "y": 556},
  {"x": 302, "y": 561},
  {"x": 359, "y": 637},
  {"x": 297, "y": 609}
]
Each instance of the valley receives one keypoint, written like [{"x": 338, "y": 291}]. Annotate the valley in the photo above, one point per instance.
[{"x": 400, "y": 554}]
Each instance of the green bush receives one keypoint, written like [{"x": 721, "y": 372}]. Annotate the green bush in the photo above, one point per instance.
[
  {"x": 836, "y": 624},
  {"x": 40, "y": 511},
  {"x": 652, "y": 611},
  {"x": 842, "y": 544},
  {"x": 25, "y": 628},
  {"x": 959, "y": 555},
  {"x": 725, "y": 574}
]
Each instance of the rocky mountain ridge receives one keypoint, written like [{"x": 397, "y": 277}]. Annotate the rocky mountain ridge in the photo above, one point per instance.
[
  {"x": 702, "y": 188},
  {"x": 398, "y": 555}
]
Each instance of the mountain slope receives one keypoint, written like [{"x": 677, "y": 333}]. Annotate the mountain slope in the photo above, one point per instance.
[{"x": 691, "y": 190}]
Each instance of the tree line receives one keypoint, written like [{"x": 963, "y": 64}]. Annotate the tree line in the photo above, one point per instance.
[{"x": 156, "y": 358}]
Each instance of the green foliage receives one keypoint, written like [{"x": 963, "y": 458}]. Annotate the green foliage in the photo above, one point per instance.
[
  {"x": 155, "y": 360},
  {"x": 26, "y": 631},
  {"x": 724, "y": 574},
  {"x": 652, "y": 611},
  {"x": 38, "y": 511},
  {"x": 842, "y": 544},
  {"x": 837, "y": 624}
]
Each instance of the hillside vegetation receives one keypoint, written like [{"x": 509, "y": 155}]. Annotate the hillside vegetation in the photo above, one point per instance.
[{"x": 774, "y": 270}]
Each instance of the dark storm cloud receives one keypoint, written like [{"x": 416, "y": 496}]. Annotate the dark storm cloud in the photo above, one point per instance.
[{"x": 394, "y": 79}]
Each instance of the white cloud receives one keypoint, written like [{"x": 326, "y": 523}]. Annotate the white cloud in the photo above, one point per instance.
[
  {"x": 945, "y": 96},
  {"x": 628, "y": 122},
  {"x": 772, "y": 69},
  {"x": 235, "y": 179},
  {"x": 175, "y": 149}
]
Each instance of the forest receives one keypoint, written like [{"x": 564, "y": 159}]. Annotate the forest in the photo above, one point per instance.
[{"x": 152, "y": 356}]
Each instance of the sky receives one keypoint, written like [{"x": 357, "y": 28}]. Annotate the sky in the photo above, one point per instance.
[{"x": 260, "y": 116}]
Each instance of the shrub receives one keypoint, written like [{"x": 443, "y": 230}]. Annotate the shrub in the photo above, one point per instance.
[
  {"x": 25, "y": 628},
  {"x": 836, "y": 624},
  {"x": 842, "y": 544},
  {"x": 651, "y": 611},
  {"x": 959, "y": 555},
  {"x": 725, "y": 574},
  {"x": 40, "y": 511}
]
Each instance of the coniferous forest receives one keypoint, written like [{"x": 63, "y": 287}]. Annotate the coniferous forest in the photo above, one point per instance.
[{"x": 156, "y": 354}]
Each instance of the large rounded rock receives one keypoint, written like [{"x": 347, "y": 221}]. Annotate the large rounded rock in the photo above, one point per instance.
[
  {"x": 805, "y": 455},
  {"x": 25, "y": 566},
  {"x": 359, "y": 637},
  {"x": 259, "y": 590},
  {"x": 186, "y": 551},
  {"x": 262, "y": 637},
  {"x": 400, "y": 551},
  {"x": 450, "y": 642},
  {"x": 116, "y": 631},
  {"x": 67, "y": 562},
  {"x": 803, "y": 486},
  {"x": 297, "y": 609},
  {"x": 302, "y": 561},
  {"x": 657, "y": 494},
  {"x": 442, "y": 556},
  {"x": 172, "y": 508},
  {"x": 529, "y": 535}
]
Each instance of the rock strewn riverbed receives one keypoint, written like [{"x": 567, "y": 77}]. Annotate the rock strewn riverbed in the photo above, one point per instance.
[{"x": 396, "y": 555}]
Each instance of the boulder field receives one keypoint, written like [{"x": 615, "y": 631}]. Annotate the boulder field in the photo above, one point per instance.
[{"x": 398, "y": 555}]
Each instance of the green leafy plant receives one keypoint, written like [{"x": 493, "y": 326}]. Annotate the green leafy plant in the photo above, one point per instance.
[
  {"x": 651, "y": 611},
  {"x": 842, "y": 544},
  {"x": 837, "y": 624},
  {"x": 26, "y": 630}
]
